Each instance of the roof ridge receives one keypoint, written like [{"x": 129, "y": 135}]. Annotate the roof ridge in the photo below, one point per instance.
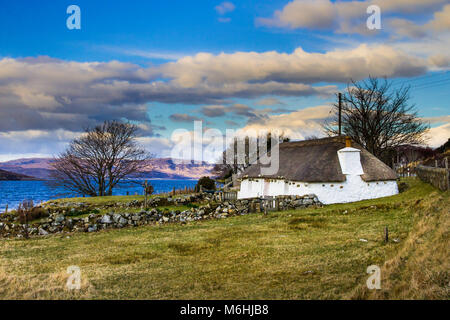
[{"x": 338, "y": 139}]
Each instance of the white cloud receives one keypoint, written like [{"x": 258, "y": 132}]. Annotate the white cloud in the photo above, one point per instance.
[
  {"x": 224, "y": 20},
  {"x": 42, "y": 142},
  {"x": 441, "y": 20},
  {"x": 300, "y": 66},
  {"x": 439, "y": 135},
  {"x": 296, "y": 125},
  {"x": 225, "y": 7},
  {"x": 440, "y": 119},
  {"x": 342, "y": 16},
  {"x": 435, "y": 26},
  {"x": 47, "y": 95},
  {"x": 269, "y": 102}
]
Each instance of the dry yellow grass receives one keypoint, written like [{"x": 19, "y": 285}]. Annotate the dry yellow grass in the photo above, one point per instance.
[
  {"x": 420, "y": 269},
  {"x": 303, "y": 254}
]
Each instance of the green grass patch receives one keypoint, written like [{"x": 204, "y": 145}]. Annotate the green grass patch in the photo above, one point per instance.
[{"x": 302, "y": 254}]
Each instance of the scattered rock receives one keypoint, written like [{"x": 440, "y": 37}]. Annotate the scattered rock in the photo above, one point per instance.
[
  {"x": 93, "y": 228},
  {"x": 106, "y": 219}
]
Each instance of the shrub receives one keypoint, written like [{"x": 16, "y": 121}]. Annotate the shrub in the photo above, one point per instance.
[
  {"x": 206, "y": 183},
  {"x": 402, "y": 187},
  {"x": 28, "y": 212}
]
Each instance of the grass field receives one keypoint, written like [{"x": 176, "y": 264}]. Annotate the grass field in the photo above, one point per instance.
[{"x": 303, "y": 254}]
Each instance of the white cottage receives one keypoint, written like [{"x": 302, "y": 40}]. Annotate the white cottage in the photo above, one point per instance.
[{"x": 334, "y": 169}]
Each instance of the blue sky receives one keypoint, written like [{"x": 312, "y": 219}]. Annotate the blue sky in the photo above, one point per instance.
[{"x": 232, "y": 64}]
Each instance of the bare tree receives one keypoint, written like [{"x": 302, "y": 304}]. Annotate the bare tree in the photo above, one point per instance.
[
  {"x": 251, "y": 151},
  {"x": 378, "y": 117},
  {"x": 96, "y": 162}
]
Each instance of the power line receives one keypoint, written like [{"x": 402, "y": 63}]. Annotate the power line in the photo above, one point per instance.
[
  {"x": 399, "y": 83},
  {"x": 443, "y": 82},
  {"x": 432, "y": 82}
]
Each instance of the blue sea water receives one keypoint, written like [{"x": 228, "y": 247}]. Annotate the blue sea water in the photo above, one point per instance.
[{"x": 14, "y": 192}]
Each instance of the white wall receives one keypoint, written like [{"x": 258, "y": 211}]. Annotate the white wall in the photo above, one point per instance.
[{"x": 353, "y": 189}]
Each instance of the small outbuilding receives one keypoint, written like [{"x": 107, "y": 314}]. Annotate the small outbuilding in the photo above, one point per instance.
[{"x": 335, "y": 169}]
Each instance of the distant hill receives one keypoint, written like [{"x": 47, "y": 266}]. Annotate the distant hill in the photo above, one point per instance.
[
  {"x": 158, "y": 168},
  {"x": 6, "y": 175},
  {"x": 35, "y": 167}
]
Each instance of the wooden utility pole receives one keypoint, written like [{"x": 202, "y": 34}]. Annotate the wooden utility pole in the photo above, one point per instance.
[{"x": 340, "y": 112}]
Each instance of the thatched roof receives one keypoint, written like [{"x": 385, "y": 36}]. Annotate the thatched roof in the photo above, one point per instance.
[{"x": 317, "y": 161}]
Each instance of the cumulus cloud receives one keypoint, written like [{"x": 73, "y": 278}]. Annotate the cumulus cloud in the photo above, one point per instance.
[
  {"x": 46, "y": 95},
  {"x": 440, "y": 119},
  {"x": 213, "y": 111},
  {"x": 296, "y": 125},
  {"x": 48, "y": 143},
  {"x": 183, "y": 117},
  {"x": 16, "y": 144},
  {"x": 231, "y": 123},
  {"x": 342, "y": 16},
  {"x": 225, "y": 7},
  {"x": 239, "y": 110},
  {"x": 441, "y": 20},
  {"x": 268, "y": 102},
  {"x": 438, "y": 24},
  {"x": 290, "y": 69}
]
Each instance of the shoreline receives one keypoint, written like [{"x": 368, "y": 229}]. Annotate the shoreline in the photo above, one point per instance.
[{"x": 13, "y": 192}]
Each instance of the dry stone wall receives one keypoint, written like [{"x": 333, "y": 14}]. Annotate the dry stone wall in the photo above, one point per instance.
[
  {"x": 61, "y": 221},
  {"x": 438, "y": 177}
]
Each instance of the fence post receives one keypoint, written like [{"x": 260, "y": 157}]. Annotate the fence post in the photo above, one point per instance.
[{"x": 386, "y": 234}]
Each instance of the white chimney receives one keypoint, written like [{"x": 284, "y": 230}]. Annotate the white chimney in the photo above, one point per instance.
[{"x": 350, "y": 160}]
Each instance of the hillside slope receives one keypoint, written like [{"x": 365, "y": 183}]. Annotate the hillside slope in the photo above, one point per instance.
[
  {"x": 6, "y": 175},
  {"x": 420, "y": 269}
]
